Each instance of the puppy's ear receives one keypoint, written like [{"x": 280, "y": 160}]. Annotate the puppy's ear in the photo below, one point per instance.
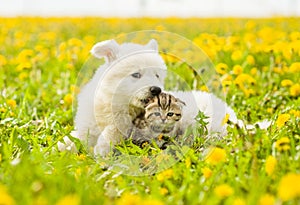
[
  {"x": 108, "y": 49},
  {"x": 152, "y": 44}
]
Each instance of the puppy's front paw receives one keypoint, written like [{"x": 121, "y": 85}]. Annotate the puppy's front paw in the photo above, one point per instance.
[
  {"x": 67, "y": 145},
  {"x": 102, "y": 149}
]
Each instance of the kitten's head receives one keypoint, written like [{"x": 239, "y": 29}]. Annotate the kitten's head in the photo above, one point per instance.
[{"x": 163, "y": 112}]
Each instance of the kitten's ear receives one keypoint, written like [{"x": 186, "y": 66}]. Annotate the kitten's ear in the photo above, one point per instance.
[
  {"x": 108, "y": 49},
  {"x": 152, "y": 44},
  {"x": 180, "y": 102}
]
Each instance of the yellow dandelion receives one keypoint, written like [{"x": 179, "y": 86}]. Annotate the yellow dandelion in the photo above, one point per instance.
[
  {"x": 237, "y": 69},
  {"x": 295, "y": 90},
  {"x": 68, "y": 99},
  {"x": 267, "y": 199},
  {"x": 216, "y": 155},
  {"x": 222, "y": 68},
  {"x": 3, "y": 110},
  {"x": 270, "y": 165},
  {"x": 11, "y": 103},
  {"x": 288, "y": 187},
  {"x": 204, "y": 88},
  {"x": 160, "y": 28},
  {"x": 250, "y": 60},
  {"x": 236, "y": 55},
  {"x": 69, "y": 199},
  {"x": 129, "y": 199},
  {"x": 3, "y": 60},
  {"x": 166, "y": 174},
  {"x": 225, "y": 119},
  {"x": 282, "y": 119},
  {"x": 283, "y": 144},
  {"x": 188, "y": 162},
  {"x": 206, "y": 172},
  {"x": 295, "y": 67},
  {"x": 239, "y": 201},
  {"x": 296, "y": 113},
  {"x": 286, "y": 83},
  {"x": 163, "y": 191},
  {"x": 5, "y": 198},
  {"x": 253, "y": 71},
  {"x": 152, "y": 202},
  {"x": 223, "y": 191}
]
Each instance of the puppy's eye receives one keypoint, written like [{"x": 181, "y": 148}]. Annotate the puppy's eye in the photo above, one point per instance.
[
  {"x": 157, "y": 75},
  {"x": 136, "y": 75},
  {"x": 170, "y": 114}
]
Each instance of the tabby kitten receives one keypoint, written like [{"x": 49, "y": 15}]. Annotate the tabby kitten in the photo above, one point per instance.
[{"x": 161, "y": 117}]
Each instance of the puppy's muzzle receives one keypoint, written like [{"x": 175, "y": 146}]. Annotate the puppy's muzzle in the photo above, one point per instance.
[{"x": 155, "y": 90}]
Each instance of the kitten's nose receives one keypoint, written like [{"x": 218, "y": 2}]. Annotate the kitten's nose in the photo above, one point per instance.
[{"x": 155, "y": 90}]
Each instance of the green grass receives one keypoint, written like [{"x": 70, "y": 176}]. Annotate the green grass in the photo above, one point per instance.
[{"x": 32, "y": 171}]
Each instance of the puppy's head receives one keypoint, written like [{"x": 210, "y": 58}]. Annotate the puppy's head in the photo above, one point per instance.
[{"x": 134, "y": 73}]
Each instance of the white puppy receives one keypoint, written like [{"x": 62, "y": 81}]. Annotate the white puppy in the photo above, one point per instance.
[
  {"x": 121, "y": 87},
  {"x": 117, "y": 93}
]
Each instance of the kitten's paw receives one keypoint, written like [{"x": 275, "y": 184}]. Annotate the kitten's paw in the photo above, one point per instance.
[{"x": 102, "y": 149}]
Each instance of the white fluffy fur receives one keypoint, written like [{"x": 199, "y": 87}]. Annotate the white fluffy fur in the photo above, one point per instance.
[{"x": 109, "y": 102}]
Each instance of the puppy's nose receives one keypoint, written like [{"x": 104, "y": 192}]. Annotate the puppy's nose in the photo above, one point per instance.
[{"x": 155, "y": 90}]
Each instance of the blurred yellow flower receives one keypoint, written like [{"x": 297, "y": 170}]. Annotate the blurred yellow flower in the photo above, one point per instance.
[
  {"x": 222, "y": 68},
  {"x": 282, "y": 119},
  {"x": 69, "y": 199},
  {"x": 239, "y": 201},
  {"x": 206, "y": 172},
  {"x": 236, "y": 55},
  {"x": 253, "y": 71},
  {"x": 286, "y": 83},
  {"x": 296, "y": 113},
  {"x": 163, "y": 191},
  {"x": 166, "y": 174},
  {"x": 288, "y": 187},
  {"x": 5, "y": 198},
  {"x": 237, "y": 69},
  {"x": 225, "y": 119},
  {"x": 266, "y": 199},
  {"x": 129, "y": 199},
  {"x": 250, "y": 60},
  {"x": 216, "y": 155},
  {"x": 270, "y": 165},
  {"x": 283, "y": 144},
  {"x": 295, "y": 90},
  {"x": 295, "y": 67},
  {"x": 223, "y": 191},
  {"x": 11, "y": 103},
  {"x": 68, "y": 99},
  {"x": 3, "y": 60}
]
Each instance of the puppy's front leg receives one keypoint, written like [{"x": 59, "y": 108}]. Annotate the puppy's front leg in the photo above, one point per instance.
[{"x": 107, "y": 139}]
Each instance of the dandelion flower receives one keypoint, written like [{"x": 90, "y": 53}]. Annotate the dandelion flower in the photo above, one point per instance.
[
  {"x": 68, "y": 99},
  {"x": 250, "y": 60},
  {"x": 286, "y": 83},
  {"x": 163, "y": 191},
  {"x": 5, "y": 198},
  {"x": 129, "y": 199},
  {"x": 206, "y": 172},
  {"x": 270, "y": 165},
  {"x": 11, "y": 103},
  {"x": 282, "y": 119},
  {"x": 288, "y": 187},
  {"x": 283, "y": 144},
  {"x": 222, "y": 68},
  {"x": 69, "y": 199},
  {"x": 267, "y": 199},
  {"x": 166, "y": 174},
  {"x": 295, "y": 90},
  {"x": 236, "y": 55},
  {"x": 226, "y": 118},
  {"x": 216, "y": 155},
  {"x": 223, "y": 191},
  {"x": 237, "y": 69},
  {"x": 239, "y": 201}
]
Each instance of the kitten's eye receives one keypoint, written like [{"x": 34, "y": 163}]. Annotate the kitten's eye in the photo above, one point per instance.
[
  {"x": 157, "y": 75},
  {"x": 157, "y": 114},
  {"x": 170, "y": 114},
  {"x": 136, "y": 75}
]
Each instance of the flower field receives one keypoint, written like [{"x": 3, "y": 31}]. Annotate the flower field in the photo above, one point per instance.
[{"x": 257, "y": 60}]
